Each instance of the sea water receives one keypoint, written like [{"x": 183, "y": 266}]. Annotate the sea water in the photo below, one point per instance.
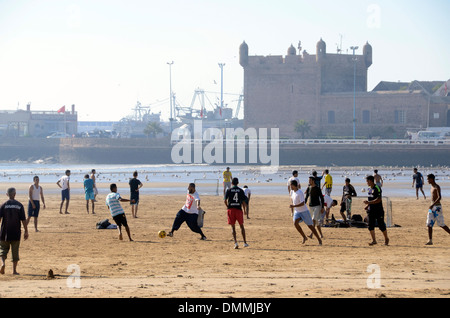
[{"x": 397, "y": 180}]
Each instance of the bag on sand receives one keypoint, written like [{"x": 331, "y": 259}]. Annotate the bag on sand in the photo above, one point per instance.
[{"x": 103, "y": 224}]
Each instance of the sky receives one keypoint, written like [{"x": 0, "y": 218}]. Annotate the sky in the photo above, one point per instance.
[{"x": 105, "y": 55}]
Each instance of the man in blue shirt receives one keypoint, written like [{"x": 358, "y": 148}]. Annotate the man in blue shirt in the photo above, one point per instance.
[{"x": 89, "y": 192}]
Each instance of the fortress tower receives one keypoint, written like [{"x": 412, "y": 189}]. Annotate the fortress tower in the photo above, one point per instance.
[{"x": 280, "y": 90}]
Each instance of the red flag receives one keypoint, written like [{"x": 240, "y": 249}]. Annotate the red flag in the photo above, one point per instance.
[
  {"x": 62, "y": 109},
  {"x": 201, "y": 112}
]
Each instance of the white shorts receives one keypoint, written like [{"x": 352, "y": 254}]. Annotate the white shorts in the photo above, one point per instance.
[
  {"x": 317, "y": 214},
  {"x": 435, "y": 216},
  {"x": 303, "y": 216}
]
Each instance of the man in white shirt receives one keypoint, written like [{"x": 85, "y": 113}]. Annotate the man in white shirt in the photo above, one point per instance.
[
  {"x": 248, "y": 194},
  {"x": 301, "y": 212},
  {"x": 189, "y": 213},
  {"x": 64, "y": 184},
  {"x": 328, "y": 204}
]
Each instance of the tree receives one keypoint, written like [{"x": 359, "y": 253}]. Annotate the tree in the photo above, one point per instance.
[
  {"x": 302, "y": 127},
  {"x": 153, "y": 128}
]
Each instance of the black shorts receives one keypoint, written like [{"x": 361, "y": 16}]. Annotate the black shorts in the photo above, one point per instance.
[
  {"x": 376, "y": 218},
  {"x": 120, "y": 220}
]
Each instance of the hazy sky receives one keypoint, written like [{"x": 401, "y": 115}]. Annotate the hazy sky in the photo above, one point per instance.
[{"x": 104, "y": 55}]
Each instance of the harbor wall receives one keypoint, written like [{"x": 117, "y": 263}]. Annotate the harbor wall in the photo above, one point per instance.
[{"x": 159, "y": 151}]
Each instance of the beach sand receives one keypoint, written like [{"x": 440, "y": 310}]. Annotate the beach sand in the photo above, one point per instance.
[{"x": 275, "y": 265}]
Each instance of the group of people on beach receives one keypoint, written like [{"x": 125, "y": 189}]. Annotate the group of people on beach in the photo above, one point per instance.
[{"x": 237, "y": 201}]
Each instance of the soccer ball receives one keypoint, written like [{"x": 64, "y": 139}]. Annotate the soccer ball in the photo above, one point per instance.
[
  {"x": 162, "y": 234},
  {"x": 363, "y": 190}
]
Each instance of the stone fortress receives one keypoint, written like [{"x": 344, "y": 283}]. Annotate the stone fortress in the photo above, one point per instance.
[{"x": 322, "y": 89}]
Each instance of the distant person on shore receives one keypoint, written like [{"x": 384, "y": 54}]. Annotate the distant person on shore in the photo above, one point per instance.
[
  {"x": 435, "y": 214},
  {"x": 89, "y": 194},
  {"x": 95, "y": 185},
  {"x": 317, "y": 179},
  {"x": 375, "y": 211},
  {"x": 301, "y": 212},
  {"x": 328, "y": 184},
  {"x": 118, "y": 214},
  {"x": 235, "y": 200},
  {"x": 135, "y": 184},
  {"x": 35, "y": 195},
  {"x": 64, "y": 184},
  {"x": 189, "y": 213},
  {"x": 227, "y": 176},
  {"x": 348, "y": 192},
  {"x": 378, "y": 179},
  {"x": 12, "y": 213},
  {"x": 248, "y": 194},
  {"x": 419, "y": 181}
]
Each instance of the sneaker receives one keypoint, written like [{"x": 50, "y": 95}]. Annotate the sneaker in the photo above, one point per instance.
[
  {"x": 245, "y": 245},
  {"x": 170, "y": 234},
  {"x": 203, "y": 238},
  {"x": 236, "y": 246}
]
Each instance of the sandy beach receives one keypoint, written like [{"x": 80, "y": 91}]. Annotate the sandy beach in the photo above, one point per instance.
[{"x": 275, "y": 265}]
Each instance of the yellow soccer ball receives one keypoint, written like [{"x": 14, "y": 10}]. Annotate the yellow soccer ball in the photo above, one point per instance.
[{"x": 162, "y": 234}]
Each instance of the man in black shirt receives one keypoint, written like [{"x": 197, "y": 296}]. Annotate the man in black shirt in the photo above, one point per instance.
[
  {"x": 316, "y": 204},
  {"x": 12, "y": 214},
  {"x": 135, "y": 185},
  {"x": 234, "y": 199},
  {"x": 375, "y": 211}
]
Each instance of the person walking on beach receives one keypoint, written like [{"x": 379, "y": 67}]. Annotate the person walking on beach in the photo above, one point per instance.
[
  {"x": 419, "y": 181},
  {"x": 435, "y": 214},
  {"x": 118, "y": 214},
  {"x": 12, "y": 213},
  {"x": 328, "y": 185},
  {"x": 348, "y": 191},
  {"x": 35, "y": 195},
  {"x": 227, "y": 176},
  {"x": 135, "y": 184},
  {"x": 301, "y": 212},
  {"x": 234, "y": 201},
  {"x": 316, "y": 204},
  {"x": 64, "y": 184},
  {"x": 248, "y": 194},
  {"x": 89, "y": 193},
  {"x": 375, "y": 211},
  {"x": 95, "y": 185},
  {"x": 378, "y": 179},
  {"x": 189, "y": 213}
]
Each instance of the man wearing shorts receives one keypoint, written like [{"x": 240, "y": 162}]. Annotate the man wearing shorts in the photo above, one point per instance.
[
  {"x": 316, "y": 204},
  {"x": 118, "y": 214},
  {"x": 328, "y": 182},
  {"x": 64, "y": 184},
  {"x": 234, "y": 200},
  {"x": 418, "y": 180},
  {"x": 348, "y": 191},
  {"x": 89, "y": 193},
  {"x": 135, "y": 184},
  {"x": 301, "y": 212},
  {"x": 435, "y": 214},
  {"x": 375, "y": 211},
  {"x": 12, "y": 214},
  {"x": 35, "y": 194}
]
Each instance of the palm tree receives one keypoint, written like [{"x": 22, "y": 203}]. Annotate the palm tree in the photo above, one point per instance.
[
  {"x": 302, "y": 127},
  {"x": 153, "y": 128}
]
